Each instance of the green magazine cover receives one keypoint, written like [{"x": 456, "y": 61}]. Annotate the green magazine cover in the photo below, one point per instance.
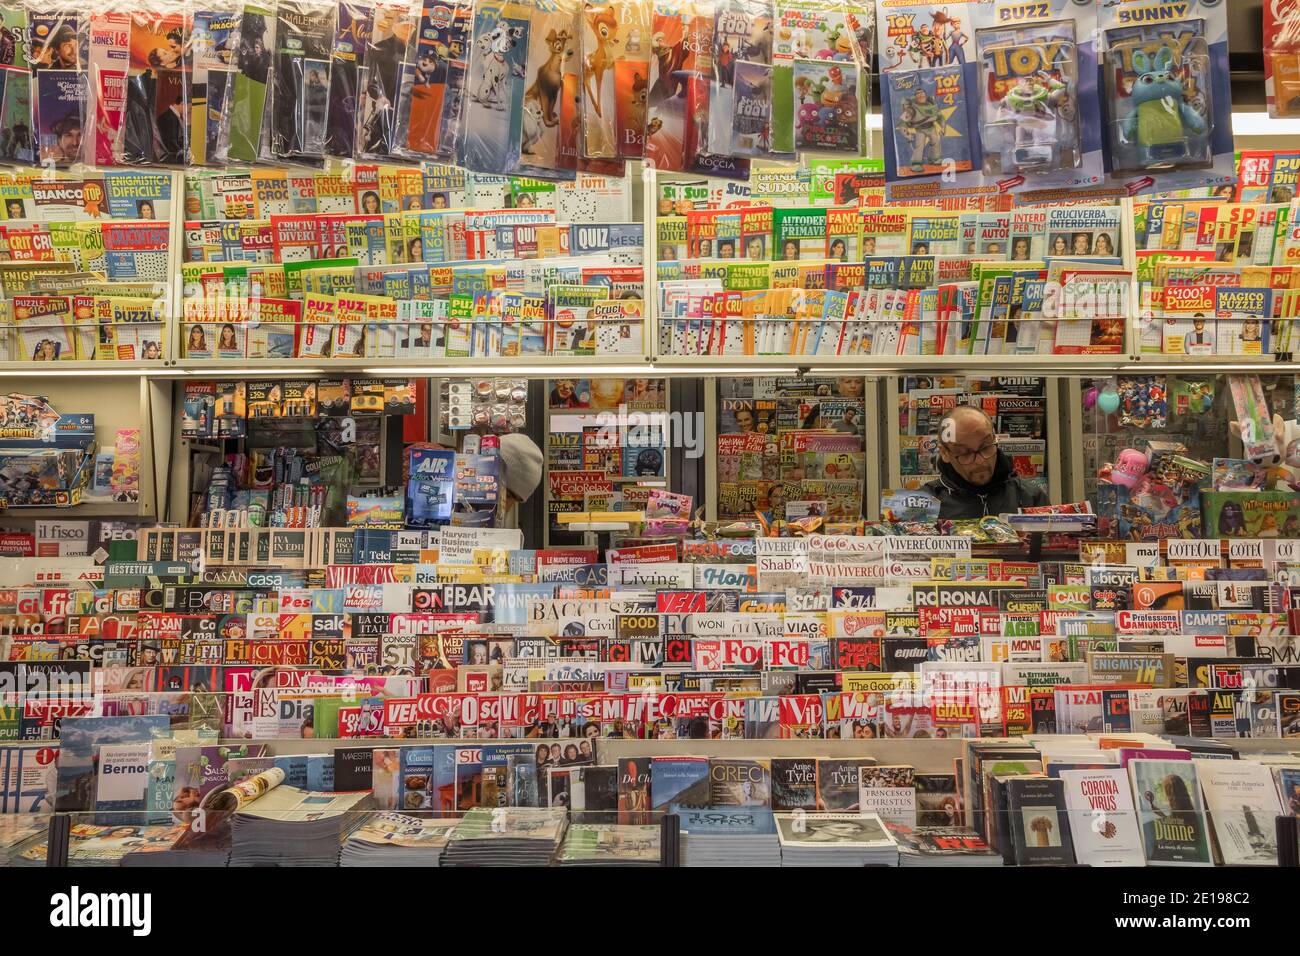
[
  {"x": 1251, "y": 514},
  {"x": 256, "y": 41}
]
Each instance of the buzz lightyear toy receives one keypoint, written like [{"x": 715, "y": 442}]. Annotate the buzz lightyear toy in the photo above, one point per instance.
[
  {"x": 1040, "y": 106},
  {"x": 1160, "y": 125}
]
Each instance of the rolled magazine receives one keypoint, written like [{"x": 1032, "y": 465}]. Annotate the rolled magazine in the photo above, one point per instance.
[{"x": 245, "y": 792}]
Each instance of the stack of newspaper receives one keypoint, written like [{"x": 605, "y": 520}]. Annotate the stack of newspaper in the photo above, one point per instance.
[
  {"x": 98, "y": 845},
  {"x": 506, "y": 836},
  {"x": 721, "y": 849},
  {"x": 22, "y": 839},
  {"x": 942, "y": 846},
  {"x": 610, "y": 844},
  {"x": 292, "y": 827},
  {"x": 395, "y": 839},
  {"x": 718, "y": 836},
  {"x": 835, "y": 839}
]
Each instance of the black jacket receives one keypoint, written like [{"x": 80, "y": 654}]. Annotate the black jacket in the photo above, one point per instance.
[{"x": 1004, "y": 494}]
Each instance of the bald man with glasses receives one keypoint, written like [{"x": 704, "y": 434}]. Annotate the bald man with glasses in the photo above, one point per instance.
[{"x": 975, "y": 476}]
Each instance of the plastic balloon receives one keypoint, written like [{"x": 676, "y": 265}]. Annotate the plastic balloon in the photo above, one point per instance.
[{"x": 1108, "y": 401}]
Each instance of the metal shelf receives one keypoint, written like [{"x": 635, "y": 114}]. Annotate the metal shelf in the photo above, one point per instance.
[
  {"x": 89, "y": 509},
  {"x": 547, "y": 366}
]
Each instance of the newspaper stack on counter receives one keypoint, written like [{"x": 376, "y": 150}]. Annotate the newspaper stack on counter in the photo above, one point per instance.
[
  {"x": 22, "y": 840},
  {"x": 610, "y": 844},
  {"x": 835, "y": 839},
  {"x": 286, "y": 826},
  {"x": 506, "y": 836},
  {"x": 715, "y": 835},
  {"x": 942, "y": 846},
  {"x": 395, "y": 839},
  {"x": 718, "y": 849}
]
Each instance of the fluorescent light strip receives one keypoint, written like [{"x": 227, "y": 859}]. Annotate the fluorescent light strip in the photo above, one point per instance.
[
  {"x": 579, "y": 371},
  {"x": 1274, "y": 368},
  {"x": 217, "y": 371},
  {"x": 43, "y": 372},
  {"x": 1261, "y": 124}
]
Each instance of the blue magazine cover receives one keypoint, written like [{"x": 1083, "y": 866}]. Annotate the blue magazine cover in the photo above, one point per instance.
[{"x": 927, "y": 118}]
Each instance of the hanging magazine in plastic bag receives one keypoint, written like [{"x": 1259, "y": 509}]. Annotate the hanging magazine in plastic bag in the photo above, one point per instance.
[
  {"x": 299, "y": 88},
  {"x": 17, "y": 142},
  {"x": 58, "y": 86},
  {"x": 249, "y": 94},
  {"x": 377, "y": 119},
  {"x": 352, "y": 27},
  {"x": 439, "y": 59},
  {"x": 214, "y": 40},
  {"x": 155, "y": 120}
]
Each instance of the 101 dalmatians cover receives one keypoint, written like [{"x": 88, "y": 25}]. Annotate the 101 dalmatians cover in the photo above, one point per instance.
[{"x": 493, "y": 115}]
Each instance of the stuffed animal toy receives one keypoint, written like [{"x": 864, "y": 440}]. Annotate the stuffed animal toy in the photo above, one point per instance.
[{"x": 1283, "y": 469}]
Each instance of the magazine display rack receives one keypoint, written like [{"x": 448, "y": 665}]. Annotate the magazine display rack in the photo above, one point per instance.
[{"x": 172, "y": 360}]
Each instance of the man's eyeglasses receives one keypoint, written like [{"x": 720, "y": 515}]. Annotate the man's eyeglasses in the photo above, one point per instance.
[{"x": 966, "y": 457}]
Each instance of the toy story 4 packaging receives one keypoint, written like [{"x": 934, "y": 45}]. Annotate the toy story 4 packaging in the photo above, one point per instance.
[
  {"x": 1168, "y": 113},
  {"x": 989, "y": 97}
]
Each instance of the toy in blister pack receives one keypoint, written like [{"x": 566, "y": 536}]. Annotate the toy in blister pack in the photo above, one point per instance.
[
  {"x": 1254, "y": 423},
  {"x": 1192, "y": 396},
  {"x": 352, "y": 25},
  {"x": 213, "y": 38},
  {"x": 552, "y": 60},
  {"x": 828, "y": 108},
  {"x": 493, "y": 110},
  {"x": 1019, "y": 80},
  {"x": 1167, "y": 97},
  {"x": 300, "y": 86},
  {"x": 1029, "y": 102},
  {"x": 437, "y": 93},
  {"x": 1161, "y": 116},
  {"x": 928, "y": 122},
  {"x": 17, "y": 144},
  {"x": 742, "y": 31},
  {"x": 1282, "y": 57}
]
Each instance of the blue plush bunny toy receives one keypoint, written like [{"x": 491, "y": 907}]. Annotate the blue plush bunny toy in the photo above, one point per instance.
[{"x": 1160, "y": 124}]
